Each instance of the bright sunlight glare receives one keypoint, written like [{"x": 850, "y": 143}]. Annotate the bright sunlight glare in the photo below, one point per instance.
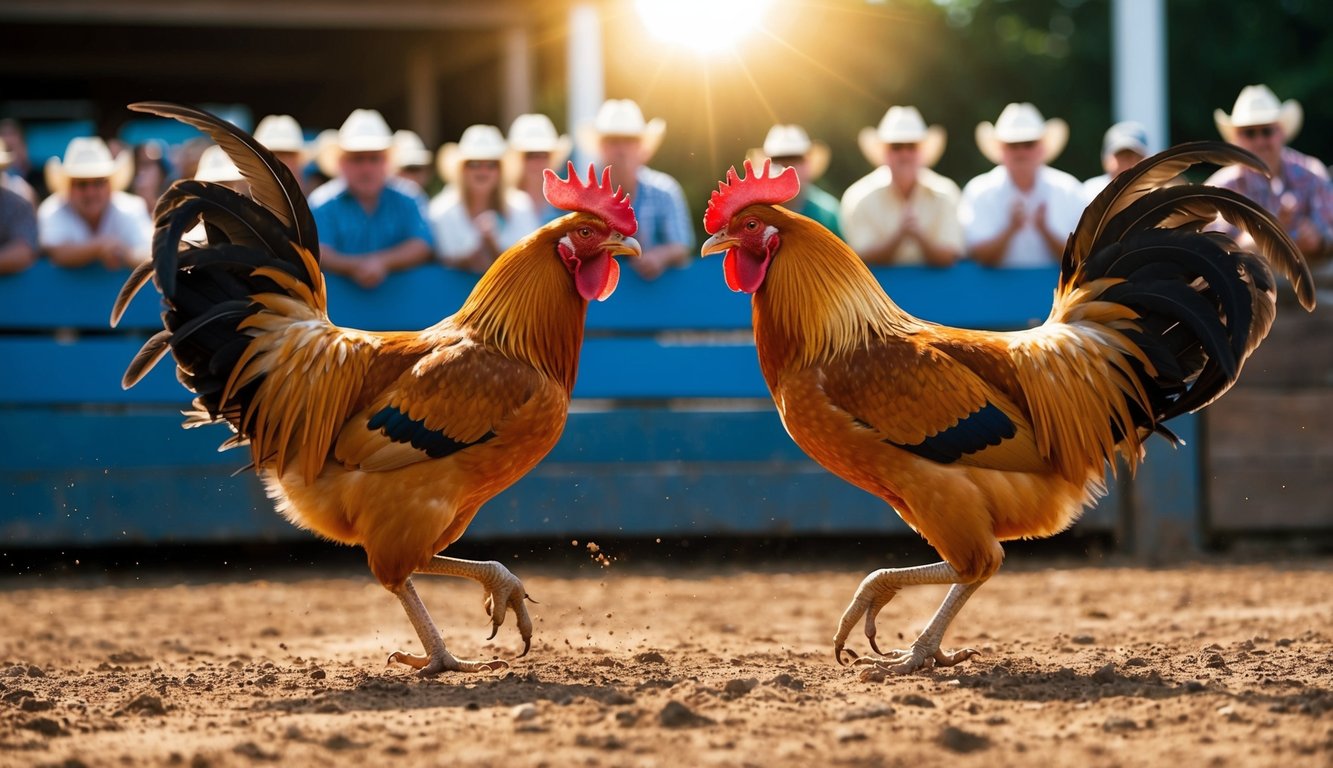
[{"x": 702, "y": 25}]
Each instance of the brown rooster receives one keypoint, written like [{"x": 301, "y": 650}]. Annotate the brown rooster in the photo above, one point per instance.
[
  {"x": 390, "y": 441},
  {"x": 978, "y": 437}
]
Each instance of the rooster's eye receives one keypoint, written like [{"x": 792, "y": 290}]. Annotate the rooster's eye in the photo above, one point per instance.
[
  {"x": 752, "y": 225},
  {"x": 585, "y": 232}
]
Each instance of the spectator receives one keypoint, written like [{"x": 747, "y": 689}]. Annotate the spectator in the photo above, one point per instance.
[
  {"x": 367, "y": 229},
  {"x": 477, "y": 216},
  {"x": 18, "y": 225},
  {"x": 412, "y": 162},
  {"x": 536, "y": 146},
  {"x": 282, "y": 136},
  {"x": 89, "y": 217},
  {"x": 1123, "y": 146},
  {"x": 790, "y": 146},
  {"x": 623, "y": 140},
  {"x": 187, "y": 154},
  {"x": 903, "y": 212},
  {"x": 151, "y": 173},
  {"x": 1020, "y": 213},
  {"x": 1298, "y": 194},
  {"x": 20, "y": 176}
]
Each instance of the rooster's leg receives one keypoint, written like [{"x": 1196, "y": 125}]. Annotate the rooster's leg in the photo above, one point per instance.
[
  {"x": 437, "y": 658},
  {"x": 503, "y": 591},
  {"x": 878, "y": 589}
]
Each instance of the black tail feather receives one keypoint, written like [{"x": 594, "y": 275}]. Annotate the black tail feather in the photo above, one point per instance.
[
  {"x": 208, "y": 288},
  {"x": 1202, "y": 303},
  {"x": 272, "y": 185}
]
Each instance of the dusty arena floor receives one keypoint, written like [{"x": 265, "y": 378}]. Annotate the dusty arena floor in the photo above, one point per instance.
[{"x": 1082, "y": 665}]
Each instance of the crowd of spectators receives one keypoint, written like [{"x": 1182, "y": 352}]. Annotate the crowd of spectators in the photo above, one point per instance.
[{"x": 370, "y": 188}]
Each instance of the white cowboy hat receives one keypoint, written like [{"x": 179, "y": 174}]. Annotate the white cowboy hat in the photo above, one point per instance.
[
  {"x": 791, "y": 141},
  {"x": 622, "y": 117},
  {"x": 281, "y": 133},
  {"x": 363, "y": 131},
  {"x": 1258, "y": 105},
  {"x": 478, "y": 142},
  {"x": 1125, "y": 135},
  {"x": 409, "y": 151},
  {"x": 902, "y": 125},
  {"x": 214, "y": 165},
  {"x": 1021, "y": 123},
  {"x": 87, "y": 157},
  {"x": 536, "y": 133}
]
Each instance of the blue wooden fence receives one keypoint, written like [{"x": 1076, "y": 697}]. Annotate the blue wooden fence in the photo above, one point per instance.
[{"x": 671, "y": 432}]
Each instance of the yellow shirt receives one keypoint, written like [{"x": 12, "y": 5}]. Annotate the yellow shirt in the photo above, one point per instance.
[{"x": 872, "y": 212}]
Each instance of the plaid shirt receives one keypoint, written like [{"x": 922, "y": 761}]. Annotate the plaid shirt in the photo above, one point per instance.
[
  {"x": 1297, "y": 181},
  {"x": 659, "y": 207}
]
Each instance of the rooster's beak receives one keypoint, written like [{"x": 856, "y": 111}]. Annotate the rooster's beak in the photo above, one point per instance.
[
  {"x": 620, "y": 245},
  {"x": 717, "y": 244}
]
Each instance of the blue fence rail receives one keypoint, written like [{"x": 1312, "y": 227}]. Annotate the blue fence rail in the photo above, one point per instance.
[{"x": 671, "y": 432}]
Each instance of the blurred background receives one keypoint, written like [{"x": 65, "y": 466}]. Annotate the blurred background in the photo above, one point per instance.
[{"x": 437, "y": 66}]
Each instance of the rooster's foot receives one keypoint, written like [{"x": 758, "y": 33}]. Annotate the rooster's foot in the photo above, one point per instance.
[
  {"x": 911, "y": 660},
  {"x": 427, "y": 666},
  {"x": 503, "y": 592}
]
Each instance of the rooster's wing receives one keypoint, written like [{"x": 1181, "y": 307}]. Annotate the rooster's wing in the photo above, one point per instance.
[
  {"x": 457, "y": 396},
  {"x": 917, "y": 397}
]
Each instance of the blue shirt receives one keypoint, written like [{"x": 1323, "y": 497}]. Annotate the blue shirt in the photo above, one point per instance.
[
  {"x": 346, "y": 227},
  {"x": 659, "y": 205}
]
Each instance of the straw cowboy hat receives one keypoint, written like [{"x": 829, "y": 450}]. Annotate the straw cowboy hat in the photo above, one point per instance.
[
  {"x": 281, "y": 133},
  {"x": 536, "y": 133},
  {"x": 1258, "y": 105},
  {"x": 1020, "y": 123},
  {"x": 363, "y": 131},
  {"x": 214, "y": 165},
  {"x": 622, "y": 117},
  {"x": 478, "y": 142},
  {"x": 902, "y": 125},
  {"x": 6, "y": 157},
  {"x": 791, "y": 141},
  {"x": 409, "y": 151},
  {"x": 87, "y": 157}
]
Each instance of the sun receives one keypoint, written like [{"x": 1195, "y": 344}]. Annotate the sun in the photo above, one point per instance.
[{"x": 701, "y": 25}]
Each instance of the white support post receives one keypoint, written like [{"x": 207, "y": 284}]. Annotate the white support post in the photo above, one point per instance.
[
  {"x": 587, "y": 88},
  {"x": 1138, "y": 79}
]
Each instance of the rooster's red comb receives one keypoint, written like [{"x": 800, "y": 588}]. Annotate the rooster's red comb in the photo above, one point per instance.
[
  {"x": 570, "y": 194},
  {"x": 737, "y": 192}
]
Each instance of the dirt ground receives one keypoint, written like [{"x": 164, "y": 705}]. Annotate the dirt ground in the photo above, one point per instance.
[{"x": 1083, "y": 665}]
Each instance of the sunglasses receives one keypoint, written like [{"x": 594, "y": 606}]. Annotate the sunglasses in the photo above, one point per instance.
[
  {"x": 1258, "y": 131},
  {"x": 902, "y": 147},
  {"x": 88, "y": 183},
  {"x": 1022, "y": 145}
]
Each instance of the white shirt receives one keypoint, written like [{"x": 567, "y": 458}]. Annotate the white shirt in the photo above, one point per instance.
[
  {"x": 1094, "y": 186},
  {"x": 988, "y": 202},
  {"x": 126, "y": 221},
  {"x": 457, "y": 237}
]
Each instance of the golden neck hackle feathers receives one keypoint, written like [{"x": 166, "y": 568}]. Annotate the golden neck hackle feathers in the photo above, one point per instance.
[
  {"x": 526, "y": 306},
  {"x": 818, "y": 300}
]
